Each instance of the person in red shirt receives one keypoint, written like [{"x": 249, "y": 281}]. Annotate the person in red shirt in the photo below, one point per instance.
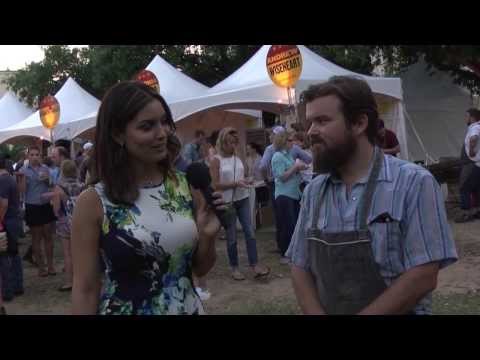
[{"x": 387, "y": 140}]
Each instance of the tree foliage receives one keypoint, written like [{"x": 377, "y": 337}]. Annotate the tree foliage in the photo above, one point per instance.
[{"x": 97, "y": 67}]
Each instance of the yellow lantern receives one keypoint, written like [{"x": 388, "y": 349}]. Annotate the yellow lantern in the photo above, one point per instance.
[
  {"x": 284, "y": 65},
  {"x": 148, "y": 78},
  {"x": 49, "y": 112}
]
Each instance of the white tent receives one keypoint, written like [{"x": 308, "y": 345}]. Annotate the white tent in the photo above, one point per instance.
[
  {"x": 76, "y": 110},
  {"x": 12, "y": 110},
  {"x": 436, "y": 113},
  {"x": 176, "y": 87},
  {"x": 251, "y": 87}
]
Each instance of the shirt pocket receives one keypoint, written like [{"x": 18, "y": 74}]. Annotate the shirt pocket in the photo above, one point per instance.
[{"x": 386, "y": 229}]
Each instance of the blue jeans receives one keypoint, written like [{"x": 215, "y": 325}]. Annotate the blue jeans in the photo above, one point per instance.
[
  {"x": 242, "y": 208},
  {"x": 271, "y": 188},
  {"x": 11, "y": 272},
  {"x": 470, "y": 185},
  {"x": 287, "y": 212}
]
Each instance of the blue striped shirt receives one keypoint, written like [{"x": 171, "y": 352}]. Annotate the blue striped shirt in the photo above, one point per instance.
[{"x": 418, "y": 234}]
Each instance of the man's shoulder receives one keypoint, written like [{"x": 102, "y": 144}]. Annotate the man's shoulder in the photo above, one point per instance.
[
  {"x": 404, "y": 168},
  {"x": 316, "y": 184}
]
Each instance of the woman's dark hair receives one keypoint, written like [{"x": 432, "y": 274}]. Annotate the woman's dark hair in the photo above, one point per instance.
[
  {"x": 257, "y": 147},
  {"x": 119, "y": 106},
  {"x": 212, "y": 139},
  {"x": 356, "y": 99},
  {"x": 62, "y": 151}
]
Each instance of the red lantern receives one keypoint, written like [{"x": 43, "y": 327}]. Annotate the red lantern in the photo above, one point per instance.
[{"x": 148, "y": 78}]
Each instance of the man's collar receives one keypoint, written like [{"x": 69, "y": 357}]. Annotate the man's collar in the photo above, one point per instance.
[{"x": 385, "y": 172}]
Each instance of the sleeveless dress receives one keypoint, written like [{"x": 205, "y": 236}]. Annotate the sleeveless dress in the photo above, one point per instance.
[{"x": 147, "y": 252}]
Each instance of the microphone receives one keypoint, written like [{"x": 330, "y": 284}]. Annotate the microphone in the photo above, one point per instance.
[{"x": 198, "y": 176}]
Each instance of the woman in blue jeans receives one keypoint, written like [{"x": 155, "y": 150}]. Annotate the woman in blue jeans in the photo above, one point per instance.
[
  {"x": 228, "y": 175},
  {"x": 286, "y": 173}
]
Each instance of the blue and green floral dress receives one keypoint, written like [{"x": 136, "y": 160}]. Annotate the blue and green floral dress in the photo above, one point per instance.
[{"x": 147, "y": 252}]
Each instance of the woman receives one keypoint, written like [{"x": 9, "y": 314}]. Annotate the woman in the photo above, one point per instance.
[
  {"x": 227, "y": 173},
  {"x": 39, "y": 215},
  {"x": 67, "y": 191},
  {"x": 138, "y": 217},
  {"x": 252, "y": 161},
  {"x": 286, "y": 173}
]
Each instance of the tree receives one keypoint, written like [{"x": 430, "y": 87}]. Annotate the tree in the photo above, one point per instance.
[
  {"x": 461, "y": 62},
  {"x": 46, "y": 77},
  {"x": 98, "y": 67}
]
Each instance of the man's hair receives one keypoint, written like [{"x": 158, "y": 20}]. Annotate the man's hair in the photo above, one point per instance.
[
  {"x": 475, "y": 113},
  {"x": 356, "y": 99},
  {"x": 199, "y": 133},
  {"x": 31, "y": 148},
  {"x": 63, "y": 152},
  {"x": 257, "y": 147}
]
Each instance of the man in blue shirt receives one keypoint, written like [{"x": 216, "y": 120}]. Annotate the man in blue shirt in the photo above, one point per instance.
[
  {"x": 192, "y": 151},
  {"x": 372, "y": 233}
]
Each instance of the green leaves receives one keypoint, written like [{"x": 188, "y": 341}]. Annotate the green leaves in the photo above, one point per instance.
[{"x": 98, "y": 67}]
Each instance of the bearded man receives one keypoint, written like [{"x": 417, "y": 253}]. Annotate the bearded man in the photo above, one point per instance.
[{"x": 372, "y": 232}]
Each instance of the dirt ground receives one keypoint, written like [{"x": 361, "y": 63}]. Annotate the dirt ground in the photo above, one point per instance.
[{"x": 458, "y": 289}]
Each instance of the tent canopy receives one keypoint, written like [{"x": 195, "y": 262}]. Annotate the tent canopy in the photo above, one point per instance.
[
  {"x": 251, "y": 86},
  {"x": 75, "y": 105},
  {"x": 436, "y": 109},
  {"x": 12, "y": 110}
]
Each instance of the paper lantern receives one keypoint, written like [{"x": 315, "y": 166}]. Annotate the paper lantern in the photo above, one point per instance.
[
  {"x": 49, "y": 112},
  {"x": 284, "y": 65},
  {"x": 148, "y": 78}
]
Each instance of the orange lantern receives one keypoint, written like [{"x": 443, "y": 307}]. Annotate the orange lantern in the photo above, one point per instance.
[
  {"x": 284, "y": 65},
  {"x": 149, "y": 78},
  {"x": 49, "y": 112}
]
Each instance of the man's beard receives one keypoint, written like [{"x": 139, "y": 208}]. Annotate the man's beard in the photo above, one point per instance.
[{"x": 327, "y": 158}]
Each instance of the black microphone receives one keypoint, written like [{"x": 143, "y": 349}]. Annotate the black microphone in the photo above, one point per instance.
[{"x": 198, "y": 176}]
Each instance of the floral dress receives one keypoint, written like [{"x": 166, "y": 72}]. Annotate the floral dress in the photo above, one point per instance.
[{"x": 147, "y": 252}]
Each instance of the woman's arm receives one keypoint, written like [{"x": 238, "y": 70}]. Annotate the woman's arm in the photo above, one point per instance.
[
  {"x": 281, "y": 172},
  {"x": 208, "y": 227},
  {"x": 86, "y": 226}
]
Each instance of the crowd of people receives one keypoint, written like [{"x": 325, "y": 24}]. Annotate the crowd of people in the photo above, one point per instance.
[
  {"x": 352, "y": 221},
  {"x": 38, "y": 194}
]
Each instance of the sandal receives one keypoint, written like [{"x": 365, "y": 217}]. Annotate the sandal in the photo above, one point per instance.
[
  {"x": 262, "y": 274},
  {"x": 237, "y": 275},
  {"x": 65, "y": 288}
]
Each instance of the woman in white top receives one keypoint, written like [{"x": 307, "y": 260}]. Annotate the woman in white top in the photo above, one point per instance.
[
  {"x": 141, "y": 225},
  {"x": 228, "y": 175}
]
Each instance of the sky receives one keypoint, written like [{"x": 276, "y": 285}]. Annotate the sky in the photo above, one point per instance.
[{"x": 15, "y": 57}]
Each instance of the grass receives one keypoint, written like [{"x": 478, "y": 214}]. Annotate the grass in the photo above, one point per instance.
[
  {"x": 456, "y": 304},
  {"x": 277, "y": 307}
]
